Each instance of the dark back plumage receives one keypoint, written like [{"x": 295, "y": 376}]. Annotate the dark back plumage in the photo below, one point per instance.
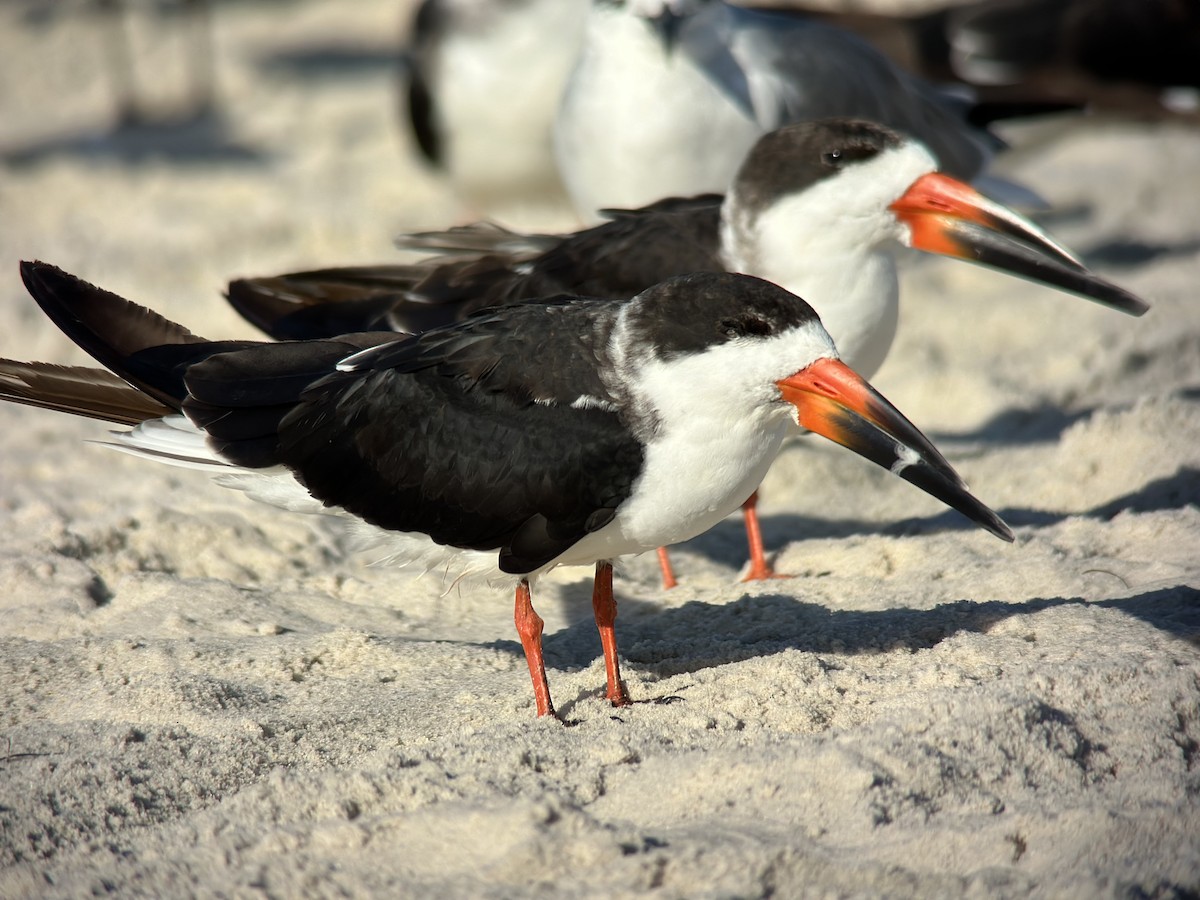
[
  {"x": 617, "y": 259},
  {"x": 501, "y": 432},
  {"x": 466, "y": 434}
]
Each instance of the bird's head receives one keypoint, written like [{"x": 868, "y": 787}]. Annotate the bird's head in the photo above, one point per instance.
[
  {"x": 833, "y": 189},
  {"x": 742, "y": 353}
]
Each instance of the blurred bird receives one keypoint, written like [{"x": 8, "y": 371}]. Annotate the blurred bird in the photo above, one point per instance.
[
  {"x": 484, "y": 79},
  {"x": 1129, "y": 58},
  {"x": 669, "y": 95},
  {"x": 1153, "y": 42}
]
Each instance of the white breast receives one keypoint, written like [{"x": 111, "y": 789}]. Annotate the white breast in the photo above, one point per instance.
[
  {"x": 833, "y": 244},
  {"x": 853, "y": 287},
  {"x": 638, "y": 124},
  {"x": 716, "y": 422},
  {"x": 690, "y": 481}
]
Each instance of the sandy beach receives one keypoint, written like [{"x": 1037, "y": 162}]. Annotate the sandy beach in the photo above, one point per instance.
[{"x": 203, "y": 696}]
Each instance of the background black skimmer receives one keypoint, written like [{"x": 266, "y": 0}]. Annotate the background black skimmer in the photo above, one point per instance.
[
  {"x": 1081, "y": 45},
  {"x": 818, "y": 208},
  {"x": 1128, "y": 58},
  {"x": 669, "y": 95},
  {"x": 559, "y": 433}
]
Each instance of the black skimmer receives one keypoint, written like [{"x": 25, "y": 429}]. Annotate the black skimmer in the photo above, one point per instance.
[
  {"x": 669, "y": 95},
  {"x": 818, "y": 208},
  {"x": 484, "y": 79},
  {"x": 524, "y": 438},
  {"x": 1128, "y": 58},
  {"x": 1153, "y": 43}
]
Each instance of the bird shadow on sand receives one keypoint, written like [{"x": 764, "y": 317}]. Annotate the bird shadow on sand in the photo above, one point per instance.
[
  {"x": 700, "y": 635},
  {"x": 1013, "y": 428},
  {"x": 669, "y": 641},
  {"x": 1118, "y": 253},
  {"x": 725, "y": 543},
  {"x": 190, "y": 138},
  {"x": 1130, "y": 253},
  {"x": 1024, "y": 427}
]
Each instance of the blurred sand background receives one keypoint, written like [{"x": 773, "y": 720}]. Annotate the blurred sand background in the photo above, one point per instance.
[{"x": 202, "y": 696}]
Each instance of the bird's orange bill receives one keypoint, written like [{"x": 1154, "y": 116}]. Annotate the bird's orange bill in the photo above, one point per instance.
[
  {"x": 951, "y": 218},
  {"x": 833, "y": 401}
]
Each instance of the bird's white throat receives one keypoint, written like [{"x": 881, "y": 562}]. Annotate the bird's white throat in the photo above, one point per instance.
[{"x": 833, "y": 244}]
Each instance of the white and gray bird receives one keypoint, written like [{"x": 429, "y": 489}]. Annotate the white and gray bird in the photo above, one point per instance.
[{"x": 668, "y": 96}]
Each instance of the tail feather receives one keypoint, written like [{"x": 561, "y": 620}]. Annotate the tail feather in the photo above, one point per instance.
[
  {"x": 211, "y": 406},
  {"x": 477, "y": 239},
  {"x": 112, "y": 329},
  {"x": 470, "y": 269},
  {"x": 172, "y": 440},
  {"x": 143, "y": 348},
  {"x": 323, "y": 303},
  {"x": 80, "y": 390},
  {"x": 328, "y": 303},
  {"x": 234, "y": 392}
]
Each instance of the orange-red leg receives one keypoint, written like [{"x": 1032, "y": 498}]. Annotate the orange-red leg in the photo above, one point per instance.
[
  {"x": 605, "y": 608},
  {"x": 759, "y": 569},
  {"x": 529, "y": 627},
  {"x": 668, "y": 571}
]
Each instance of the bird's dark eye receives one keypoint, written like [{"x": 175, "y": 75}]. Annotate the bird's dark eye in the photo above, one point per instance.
[
  {"x": 851, "y": 153},
  {"x": 742, "y": 326}
]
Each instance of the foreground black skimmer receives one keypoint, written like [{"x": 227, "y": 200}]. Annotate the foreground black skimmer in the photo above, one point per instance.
[
  {"x": 484, "y": 79},
  {"x": 817, "y": 208},
  {"x": 669, "y": 95},
  {"x": 539, "y": 435}
]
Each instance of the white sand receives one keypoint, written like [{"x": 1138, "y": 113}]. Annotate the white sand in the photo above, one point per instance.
[{"x": 202, "y": 696}]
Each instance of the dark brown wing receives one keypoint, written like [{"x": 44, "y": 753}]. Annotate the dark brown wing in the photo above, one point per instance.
[{"x": 489, "y": 267}]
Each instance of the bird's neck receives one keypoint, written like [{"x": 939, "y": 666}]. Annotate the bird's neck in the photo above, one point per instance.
[{"x": 844, "y": 270}]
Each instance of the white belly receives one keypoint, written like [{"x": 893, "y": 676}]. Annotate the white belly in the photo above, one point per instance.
[
  {"x": 860, "y": 313},
  {"x": 639, "y": 125},
  {"x": 686, "y": 487}
]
